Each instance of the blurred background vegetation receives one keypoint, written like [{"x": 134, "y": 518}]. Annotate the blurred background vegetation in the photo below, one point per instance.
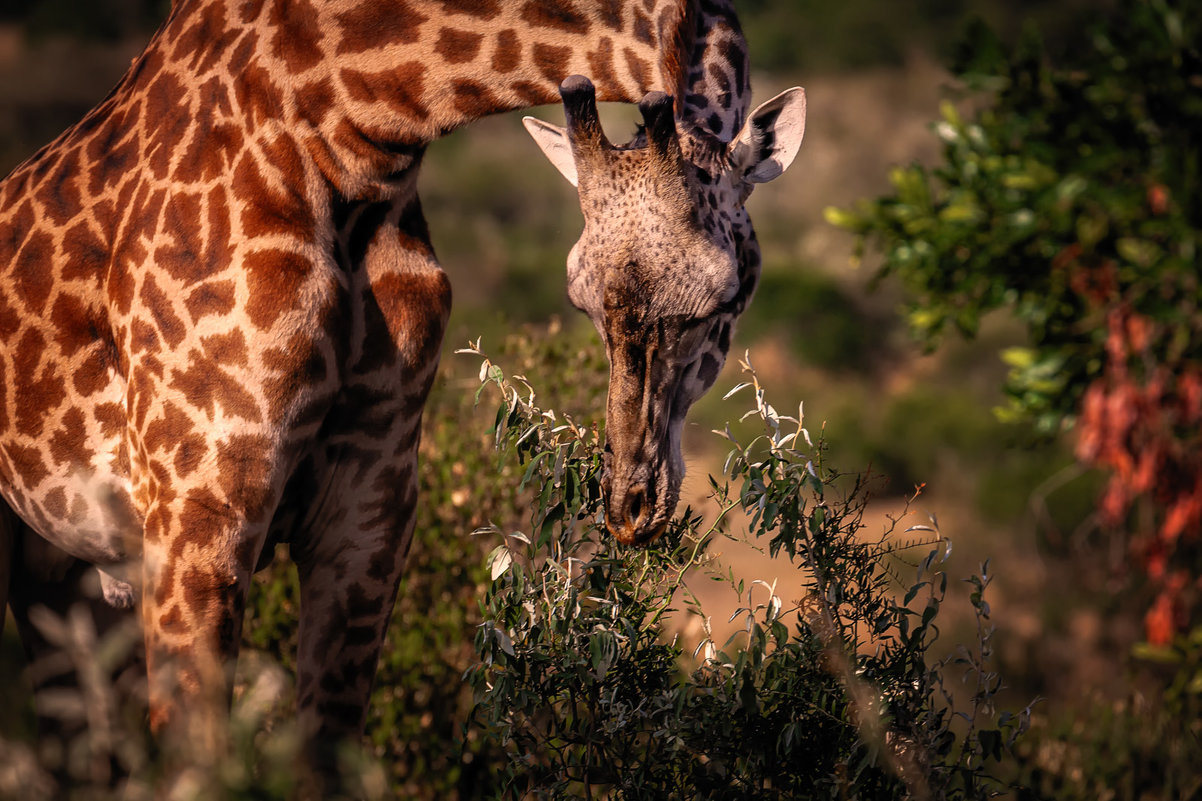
[{"x": 821, "y": 330}]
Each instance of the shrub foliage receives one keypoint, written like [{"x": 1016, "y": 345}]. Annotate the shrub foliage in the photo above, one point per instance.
[
  {"x": 1073, "y": 199},
  {"x": 828, "y": 692}
]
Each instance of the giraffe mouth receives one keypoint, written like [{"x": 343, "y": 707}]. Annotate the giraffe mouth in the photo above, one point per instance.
[
  {"x": 629, "y": 535},
  {"x": 638, "y": 509}
]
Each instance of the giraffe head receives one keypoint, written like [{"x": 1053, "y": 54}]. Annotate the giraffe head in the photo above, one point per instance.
[{"x": 666, "y": 263}]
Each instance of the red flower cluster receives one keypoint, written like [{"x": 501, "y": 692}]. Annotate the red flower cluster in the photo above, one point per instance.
[{"x": 1142, "y": 420}]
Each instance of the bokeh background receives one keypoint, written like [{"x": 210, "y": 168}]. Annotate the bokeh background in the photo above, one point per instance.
[{"x": 820, "y": 331}]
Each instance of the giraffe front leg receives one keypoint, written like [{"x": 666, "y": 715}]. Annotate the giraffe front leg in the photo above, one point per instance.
[
  {"x": 346, "y": 605},
  {"x": 348, "y": 587},
  {"x": 219, "y": 410},
  {"x": 352, "y": 555},
  {"x": 203, "y": 534},
  {"x": 196, "y": 578}
]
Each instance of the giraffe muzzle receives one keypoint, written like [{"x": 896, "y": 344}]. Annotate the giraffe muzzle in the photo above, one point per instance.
[
  {"x": 631, "y": 520},
  {"x": 632, "y": 514}
]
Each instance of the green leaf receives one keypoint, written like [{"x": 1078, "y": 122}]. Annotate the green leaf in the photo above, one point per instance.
[
  {"x": 1140, "y": 252},
  {"x": 963, "y": 211},
  {"x": 499, "y": 561},
  {"x": 842, "y": 218},
  {"x": 1020, "y": 357},
  {"x": 603, "y": 651},
  {"x": 991, "y": 743},
  {"x": 1163, "y": 654}
]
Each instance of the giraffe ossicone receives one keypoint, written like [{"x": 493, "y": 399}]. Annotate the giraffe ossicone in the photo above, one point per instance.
[{"x": 666, "y": 263}]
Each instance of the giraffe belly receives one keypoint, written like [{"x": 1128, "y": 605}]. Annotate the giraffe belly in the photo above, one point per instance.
[
  {"x": 89, "y": 515},
  {"x": 66, "y": 474}
]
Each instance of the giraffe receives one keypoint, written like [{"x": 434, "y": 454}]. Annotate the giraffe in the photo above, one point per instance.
[
  {"x": 220, "y": 311},
  {"x": 667, "y": 262}
]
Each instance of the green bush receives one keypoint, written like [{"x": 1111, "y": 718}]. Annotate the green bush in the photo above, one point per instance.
[
  {"x": 420, "y": 700},
  {"x": 1074, "y": 179},
  {"x": 830, "y": 690},
  {"x": 1072, "y": 198}
]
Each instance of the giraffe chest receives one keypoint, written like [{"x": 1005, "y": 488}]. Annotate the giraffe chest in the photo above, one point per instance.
[
  {"x": 327, "y": 385},
  {"x": 63, "y": 462}
]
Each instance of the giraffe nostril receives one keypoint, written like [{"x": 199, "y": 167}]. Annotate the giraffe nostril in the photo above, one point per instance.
[{"x": 636, "y": 507}]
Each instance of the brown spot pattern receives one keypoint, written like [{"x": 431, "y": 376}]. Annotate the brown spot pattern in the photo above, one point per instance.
[
  {"x": 212, "y": 148},
  {"x": 56, "y": 502},
  {"x": 458, "y": 47},
  {"x": 273, "y": 280},
  {"x": 284, "y": 156},
  {"x": 610, "y": 12},
  {"x": 74, "y": 324},
  {"x": 314, "y": 101},
  {"x": 295, "y": 367},
  {"x": 552, "y": 61},
  {"x": 377, "y": 23},
  {"x": 27, "y": 463},
  {"x": 642, "y": 28},
  {"x": 10, "y": 321},
  {"x": 268, "y": 210},
  {"x": 532, "y": 94},
  {"x": 92, "y": 375},
  {"x": 507, "y": 52},
  {"x": 297, "y": 40},
  {"x": 170, "y": 326},
  {"x": 472, "y": 98},
  {"x": 40, "y": 387},
  {"x": 399, "y": 89},
  {"x": 189, "y": 454},
  {"x": 165, "y": 431},
  {"x": 111, "y": 152},
  {"x": 555, "y": 14},
  {"x": 210, "y": 298},
  {"x": 206, "y": 34},
  {"x": 14, "y": 232},
  {"x": 69, "y": 442},
  {"x": 639, "y": 68},
  {"x": 207, "y": 387},
  {"x": 415, "y": 306},
  {"x": 601, "y": 66},
  {"x": 227, "y": 349},
  {"x": 84, "y": 255},
  {"x": 350, "y": 139},
  {"x": 244, "y": 468},
  {"x": 169, "y": 117},
  {"x": 480, "y": 9},
  {"x": 258, "y": 95},
  {"x": 33, "y": 272},
  {"x": 59, "y": 195},
  {"x": 184, "y": 259},
  {"x": 241, "y": 56},
  {"x": 111, "y": 417}
]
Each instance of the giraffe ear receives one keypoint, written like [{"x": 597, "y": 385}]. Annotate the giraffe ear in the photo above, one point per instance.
[
  {"x": 771, "y": 136},
  {"x": 553, "y": 141}
]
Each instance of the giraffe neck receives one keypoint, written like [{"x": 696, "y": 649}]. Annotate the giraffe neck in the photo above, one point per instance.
[
  {"x": 364, "y": 85},
  {"x": 716, "y": 92}
]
